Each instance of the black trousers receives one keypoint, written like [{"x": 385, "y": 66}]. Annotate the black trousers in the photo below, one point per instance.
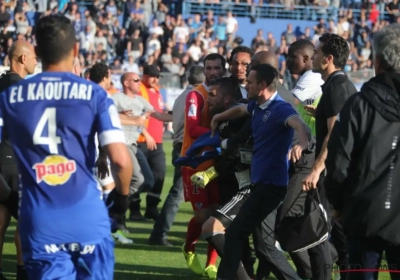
[
  {"x": 366, "y": 254},
  {"x": 270, "y": 257},
  {"x": 316, "y": 262},
  {"x": 10, "y": 175},
  {"x": 263, "y": 200},
  {"x": 338, "y": 238}
]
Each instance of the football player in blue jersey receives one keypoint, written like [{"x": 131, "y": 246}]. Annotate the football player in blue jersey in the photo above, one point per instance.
[{"x": 52, "y": 119}]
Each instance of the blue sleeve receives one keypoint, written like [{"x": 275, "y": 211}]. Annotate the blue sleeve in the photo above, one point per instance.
[
  {"x": 251, "y": 106},
  {"x": 107, "y": 119},
  {"x": 285, "y": 112}
]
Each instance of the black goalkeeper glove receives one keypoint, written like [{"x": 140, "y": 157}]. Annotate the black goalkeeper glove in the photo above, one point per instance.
[{"x": 117, "y": 203}]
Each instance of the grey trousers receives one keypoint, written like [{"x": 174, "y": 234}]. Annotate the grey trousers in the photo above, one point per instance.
[{"x": 137, "y": 176}]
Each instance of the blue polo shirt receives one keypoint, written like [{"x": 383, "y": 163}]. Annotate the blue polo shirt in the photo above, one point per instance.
[{"x": 272, "y": 140}]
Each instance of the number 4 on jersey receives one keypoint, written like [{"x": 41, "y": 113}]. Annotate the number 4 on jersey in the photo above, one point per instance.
[{"x": 52, "y": 140}]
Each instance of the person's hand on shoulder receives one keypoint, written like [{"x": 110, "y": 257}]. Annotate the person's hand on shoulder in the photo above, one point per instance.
[{"x": 214, "y": 124}]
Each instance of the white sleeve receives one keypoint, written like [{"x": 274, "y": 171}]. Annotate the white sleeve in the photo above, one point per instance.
[{"x": 308, "y": 87}]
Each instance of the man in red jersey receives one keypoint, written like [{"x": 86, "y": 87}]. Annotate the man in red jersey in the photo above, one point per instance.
[{"x": 197, "y": 122}]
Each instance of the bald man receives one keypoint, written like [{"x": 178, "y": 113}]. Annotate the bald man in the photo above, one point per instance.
[
  {"x": 23, "y": 61},
  {"x": 267, "y": 57}
]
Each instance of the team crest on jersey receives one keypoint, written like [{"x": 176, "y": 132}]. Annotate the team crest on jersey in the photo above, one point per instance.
[
  {"x": 192, "y": 110},
  {"x": 198, "y": 205},
  {"x": 266, "y": 116},
  {"x": 55, "y": 170}
]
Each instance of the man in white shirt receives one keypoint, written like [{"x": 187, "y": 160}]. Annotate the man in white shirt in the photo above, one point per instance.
[
  {"x": 130, "y": 66},
  {"x": 231, "y": 24}
]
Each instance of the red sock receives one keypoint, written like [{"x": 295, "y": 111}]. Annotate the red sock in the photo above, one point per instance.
[
  {"x": 193, "y": 233},
  {"x": 212, "y": 255}
]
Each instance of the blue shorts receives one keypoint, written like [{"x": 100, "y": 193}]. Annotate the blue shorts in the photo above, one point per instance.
[{"x": 91, "y": 260}]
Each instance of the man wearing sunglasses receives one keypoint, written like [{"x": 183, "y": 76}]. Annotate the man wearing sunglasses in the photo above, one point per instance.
[
  {"x": 150, "y": 142},
  {"x": 132, "y": 103}
]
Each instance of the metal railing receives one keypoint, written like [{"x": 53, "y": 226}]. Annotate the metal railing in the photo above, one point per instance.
[
  {"x": 273, "y": 11},
  {"x": 361, "y": 76}
]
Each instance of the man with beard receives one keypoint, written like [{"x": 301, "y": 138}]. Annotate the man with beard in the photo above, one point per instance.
[
  {"x": 197, "y": 122},
  {"x": 233, "y": 177}
]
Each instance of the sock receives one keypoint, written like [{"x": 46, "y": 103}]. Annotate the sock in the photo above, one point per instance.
[
  {"x": 218, "y": 242},
  {"x": 21, "y": 273},
  {"x": 193, "y": 233},
  {"x": 20, "y": 268},
  {"x": 247, "y": 258},
  {"x": 212, "y": 255},
  {"x": 106, "y": 193},
  {"x": 114, "y": 227}
]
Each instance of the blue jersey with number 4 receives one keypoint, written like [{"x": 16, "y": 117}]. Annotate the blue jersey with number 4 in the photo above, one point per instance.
[{"x": 52, "y": 119}]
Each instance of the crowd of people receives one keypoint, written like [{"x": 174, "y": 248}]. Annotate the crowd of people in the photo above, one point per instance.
[{"x": 130, "y": 35}]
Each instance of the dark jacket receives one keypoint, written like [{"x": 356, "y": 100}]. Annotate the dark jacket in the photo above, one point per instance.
[
  {"x": 242, "y": 136},
  {"x": 363, "y": 172},
  {"x": 6, "y": 152}
]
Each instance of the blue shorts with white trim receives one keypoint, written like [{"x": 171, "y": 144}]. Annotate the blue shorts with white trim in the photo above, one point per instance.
[{"x": 83, "y": 261}]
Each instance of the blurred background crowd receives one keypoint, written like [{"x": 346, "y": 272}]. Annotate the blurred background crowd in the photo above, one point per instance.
[{"x": 174, "y": 34}]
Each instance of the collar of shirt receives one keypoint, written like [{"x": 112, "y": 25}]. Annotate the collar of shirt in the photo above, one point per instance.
[
  {"x": 189, "y": 87},
  {"x": 330, "y": 78},
  {"x": 268, "y": 102}
]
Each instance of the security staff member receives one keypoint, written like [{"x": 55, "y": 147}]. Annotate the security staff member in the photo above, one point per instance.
[{"x": 22, "y": 63}]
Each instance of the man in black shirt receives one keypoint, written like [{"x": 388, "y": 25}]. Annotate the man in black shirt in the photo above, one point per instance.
[
  {"x": 22, "y": 62},
  {"x": 330, "y": 57}
]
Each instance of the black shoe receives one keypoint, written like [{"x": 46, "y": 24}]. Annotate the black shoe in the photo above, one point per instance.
[
  {"x": 160, "y": 242},
  {"x": 152, "y": 214},
  {"x": 137, "y": 217},
  {"x": 21, "y": 273}
]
